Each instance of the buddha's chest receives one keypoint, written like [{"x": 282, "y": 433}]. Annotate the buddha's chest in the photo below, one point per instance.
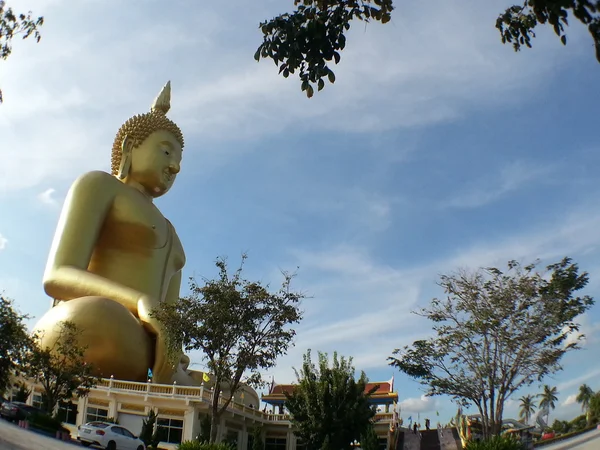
[{"x": 134, "y": 222}]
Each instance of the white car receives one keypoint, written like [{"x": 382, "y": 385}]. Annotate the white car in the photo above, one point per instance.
[{"x": 108, "y": 436}]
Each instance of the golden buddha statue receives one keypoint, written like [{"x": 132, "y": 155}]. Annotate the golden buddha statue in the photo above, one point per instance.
[{"x": 115, "y": 257}]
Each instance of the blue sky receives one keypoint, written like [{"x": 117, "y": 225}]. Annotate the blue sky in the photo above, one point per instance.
[{"x": 437, "y": 148}]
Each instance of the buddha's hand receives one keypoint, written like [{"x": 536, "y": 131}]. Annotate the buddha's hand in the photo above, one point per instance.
[{"x": 163, "y": 370}]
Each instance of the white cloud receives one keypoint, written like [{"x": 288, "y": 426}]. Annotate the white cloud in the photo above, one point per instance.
[
  {"x": 570, "y": 400},
  {"x": 419, "y": 405},
  {"x": 3, "y": 242},
  {"x": 47, "y": 197},
  {"x": 432, "y": 63},
  {"x": 361, "y": 306},
  {"x": 576, "y": 382},
  {"x": 510, "y": 178}
]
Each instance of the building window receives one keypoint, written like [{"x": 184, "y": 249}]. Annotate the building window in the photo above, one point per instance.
[
  {"x": 300, "y": 445},
  {"x": 275, "y": 443},
  {"x": 250, "y": 442},
  {"x": 232, "y": 438},
  {"x": 169, "y": 430},
  {"x": 37, "y": 401},
  {"x": 95, "y": 414},
  {"x": 68, "y": 413},
  {"x": 382, "y": 443}
]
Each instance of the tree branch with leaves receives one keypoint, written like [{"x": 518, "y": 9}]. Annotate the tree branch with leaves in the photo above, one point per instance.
[
  {"x": 13, "y": 25},
  {"x": 495, "y": 333},
  {"x": 240, "y": 326},
  {"x": 329, "y": 407},
  {"x": 308, "y": 40},
  {"x": 61, "y": 370},
  {"x": 14, "y": 341}
]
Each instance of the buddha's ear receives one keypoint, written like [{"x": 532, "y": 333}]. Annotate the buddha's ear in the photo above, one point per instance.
[{"x": 125, "y": 165}]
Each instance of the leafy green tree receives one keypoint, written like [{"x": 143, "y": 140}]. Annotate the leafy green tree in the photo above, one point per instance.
[
  {"x": 517, "y": 23},
  {"x": 548, "y": 398},
  {"x": 239, "y": 325},
  {"x": 205, "y": 429},
  {"x": 578, "y": 423},
  {"x": 527, "y": 408},
  {"x": 561, "y": 426},
  {"x": 584, "y": 396},
  {"x": 61, "y": 370},
  {"x": 148, "y": 432},
  {"x": 329, "y": 408},
  {"x": 14, "y": 341},
  {"x": 495, "y": 333},
  {"x": 369, "y": 439},
  {"x": 12, "y": 25},
  {"x": 595, "y": 408},
  {"x": 307, "y": 40},
  {"x": 22, "y": 394}
]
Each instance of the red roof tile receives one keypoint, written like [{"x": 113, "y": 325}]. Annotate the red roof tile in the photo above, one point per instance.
[{"x": 279, "y": 389}]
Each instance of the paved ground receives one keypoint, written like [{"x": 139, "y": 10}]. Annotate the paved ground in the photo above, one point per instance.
[
  {"x": 14, "y": 438},
  {"x": 586, "y": 441}
]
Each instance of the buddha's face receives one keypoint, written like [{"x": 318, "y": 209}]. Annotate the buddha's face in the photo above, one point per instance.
[{"x": 156, "y": 163}]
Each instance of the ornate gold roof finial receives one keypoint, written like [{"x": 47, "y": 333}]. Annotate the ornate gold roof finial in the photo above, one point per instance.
[{"x": 162, "y": 102}]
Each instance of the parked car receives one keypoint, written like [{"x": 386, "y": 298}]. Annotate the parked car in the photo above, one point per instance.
[
  {"x": 14, "y": 411},
  {"x": 108, "y": 436}
]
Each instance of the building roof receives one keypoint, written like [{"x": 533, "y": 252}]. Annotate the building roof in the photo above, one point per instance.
[{"x": 384, "y": 393}]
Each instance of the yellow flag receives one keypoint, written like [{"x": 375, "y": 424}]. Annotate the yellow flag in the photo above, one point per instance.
[{"x": 205, "y": 377}]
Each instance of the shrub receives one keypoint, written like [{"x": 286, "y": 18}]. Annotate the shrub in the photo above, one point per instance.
[
  {"x": 148, "y": 433},
  {"x": 45, "y": 422},
  {"x": 197, "y": 445},
  {"x": 496, "y": 443},
  {"x": 205, "y": 423},
  {"x": 22, "y": 393},
  {"x": 579, "y": 423}
]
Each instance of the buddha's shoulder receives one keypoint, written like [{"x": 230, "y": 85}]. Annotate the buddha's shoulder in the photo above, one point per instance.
[{"x": 96, "y": 179}]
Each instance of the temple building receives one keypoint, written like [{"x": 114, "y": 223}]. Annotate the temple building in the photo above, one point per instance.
[{"x": 180, "y": 410}]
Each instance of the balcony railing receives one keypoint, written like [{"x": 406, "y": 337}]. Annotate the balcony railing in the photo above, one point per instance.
[{"x": 194, "y": 393}]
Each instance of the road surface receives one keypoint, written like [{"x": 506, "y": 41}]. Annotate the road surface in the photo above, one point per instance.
[
  {"x": 14, "y": 438},
  {"x": 586, "y": 441}
]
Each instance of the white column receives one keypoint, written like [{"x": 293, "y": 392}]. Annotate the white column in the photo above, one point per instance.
[
  {"x": 191, "y": 425},
  {"x": 112, "y": 408},
  {"x": 81, "y": 410}
]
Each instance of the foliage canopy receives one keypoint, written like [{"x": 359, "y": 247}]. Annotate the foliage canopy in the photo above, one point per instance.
[
  {"x": 495, "y": 333},
  {"x": 329, "y": 407},
  {"x": 239, "y": 325},
  {"x": 310, "y": 38},
  {"x": 11, "y": 25},
  {"x": 61, "y": 370},
  {"x": 14, "y": 341}
]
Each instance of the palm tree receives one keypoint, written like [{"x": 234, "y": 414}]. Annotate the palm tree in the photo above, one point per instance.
[
  {"x": 548, "y": 399},
  {"x": 527, "y": 408},
  {"x": 584, "y": 396}
]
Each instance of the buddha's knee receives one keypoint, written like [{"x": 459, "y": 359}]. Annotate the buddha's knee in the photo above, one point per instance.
[{"x": 115, "y": 341}]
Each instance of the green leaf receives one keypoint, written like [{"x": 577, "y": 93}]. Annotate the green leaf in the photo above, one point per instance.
[
  {"x": 321, "y": 84},
  {"x": 563, "y": 39},
  {"x": 331, "y": 76},
  {"x": 310, "y": 91}
]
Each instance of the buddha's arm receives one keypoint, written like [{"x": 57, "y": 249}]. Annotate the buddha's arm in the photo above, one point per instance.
[
  {"x": 66, "y": 276},
  {"x": 146, "y": 304}
]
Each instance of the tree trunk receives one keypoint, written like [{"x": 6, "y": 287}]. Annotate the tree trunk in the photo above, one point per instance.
[{"x": 214, "y": 419}]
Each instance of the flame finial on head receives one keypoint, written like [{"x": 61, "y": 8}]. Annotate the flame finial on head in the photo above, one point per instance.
[{"x": 162, "y": 102}]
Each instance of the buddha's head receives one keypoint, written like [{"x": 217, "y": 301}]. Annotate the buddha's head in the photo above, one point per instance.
[{"x": 148, "y": 148}]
